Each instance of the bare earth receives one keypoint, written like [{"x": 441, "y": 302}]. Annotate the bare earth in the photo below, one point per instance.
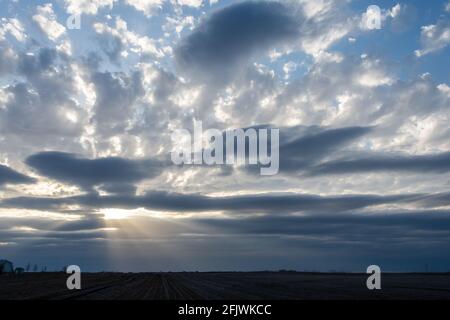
[{"x": 219, "y": 286}]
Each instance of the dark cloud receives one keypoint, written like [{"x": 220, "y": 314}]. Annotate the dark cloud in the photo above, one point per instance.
[
  {"x": 436, "y": 163},
  {"x": 316, "y": 144},
  {"x": 112, "y": 46},
  {"x": 271, "y": 202},
  {"x": 436, "y": 200},
  {"x": 116, "y": 95},
  {"x": 360, "y": 227},
  {"x": 264, "y": 202},
  {"x": 119, "y": 188},
  {"x": 87, "y": 173},
  {"x": 30, "y": 65},
  {"x": 319, "y": 141},
  {"x": 234, "y": 34},
  {"x": 399, "y": 225},
  {"x": 303, "y": 147},
  {"x": 9, "y": 176},
  {"x": 393, "y": 240},
  {"x": 321, "y": 242},
  {"x": 87, "y": 222},
  {"x": 303, "y": 153}
]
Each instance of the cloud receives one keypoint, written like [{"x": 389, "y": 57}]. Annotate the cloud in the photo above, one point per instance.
[
  {"x": 14, "y": 27},
  {"x": 111, "y": 105},
  {"x": 233, "y": 34},
  {"x": 148, "y": 7},
  {"x": 31, "y": 65},
  {"x": 436, "y": 163},
  {"x": 117, "y": 41},
  {"x": 88, "y": 173},
  {"x": 8, "y": 60},
  {"x": 116, "y": 95},
  {"x": 304, "y": 147},
  {"x": 87, "y": 6},
  {"x": 45, "y": 100},
  {"x": 313, "y": 146},
  {"x": 31, "y": 112},
  {"x": 176, "y": 202},
  {"x": 380, "y": 227},
  {"x": 404, "y": 17},
  {"x": 190, "y": 3},
  {"x": 9, "y": 176},
  {"x": 436, "y": 200},
  {"x": 434, "y": 37},
  {"x": 47, "y": 22},
  {"x": 327, "y": 23}
]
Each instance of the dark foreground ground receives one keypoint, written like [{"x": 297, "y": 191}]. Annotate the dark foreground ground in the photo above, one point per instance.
[{"x": 217, "y": 286}]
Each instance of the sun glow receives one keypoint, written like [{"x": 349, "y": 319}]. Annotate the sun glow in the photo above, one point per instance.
[
  {"x": 117, "y": 214},
  {"x": 128, "y": 214}
]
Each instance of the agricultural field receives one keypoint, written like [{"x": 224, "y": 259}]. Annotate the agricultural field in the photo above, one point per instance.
[{"x": 220, "y": 286}]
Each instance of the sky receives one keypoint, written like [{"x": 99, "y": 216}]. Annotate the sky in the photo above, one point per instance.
[{"x": 86, "y": 117}]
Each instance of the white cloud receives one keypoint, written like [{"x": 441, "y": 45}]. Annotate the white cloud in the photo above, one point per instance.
[
  {"x": 371, "y": 74},
  {"x": 14, "y": 27},
  {"x": 131, "y": 41},
  {"x": 318, "y": 41},
  {"x": 87, "y": 6},
  {"x": 4, "y": 97},
  {"x": 395, "y": 11},
  {"x": 434, "y": 38},
  {"x": 178, "y": 24},
  {"x": 47, "y": 22},
  {"x": 316, "y": 8},
  {"x": 190, "y": 3},
  {"x": 8, "y": 60},
  {"x": 444, "y": 88},
  {"x": 148, "y": 7},
  {"x": 327, "y": 23}
]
